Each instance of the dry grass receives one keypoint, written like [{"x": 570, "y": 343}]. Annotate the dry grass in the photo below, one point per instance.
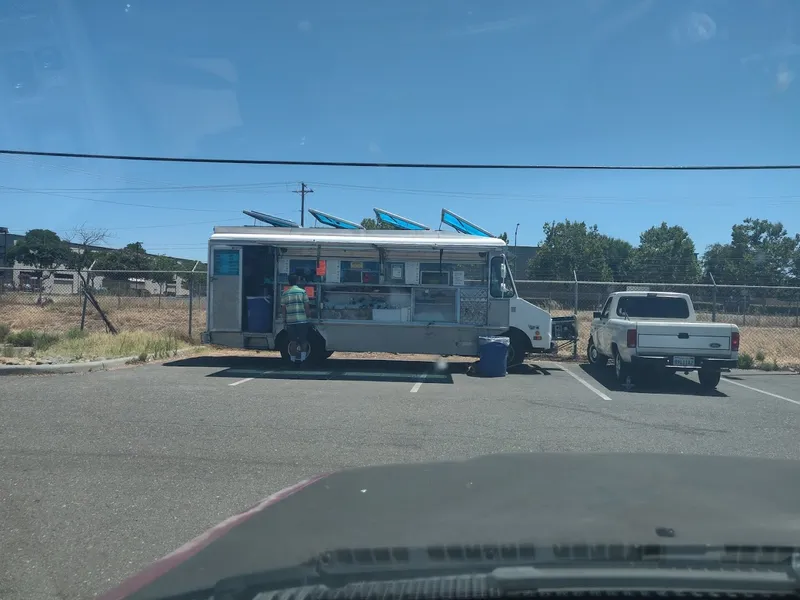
[
  {"x": 62, "y": 313},
  {"x": 104, "y": 345}
]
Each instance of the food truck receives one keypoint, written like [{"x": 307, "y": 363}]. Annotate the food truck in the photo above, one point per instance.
[{"x": 406, "y": 291}]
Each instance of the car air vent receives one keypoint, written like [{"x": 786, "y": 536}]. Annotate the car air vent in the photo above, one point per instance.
[
  {"x": 481, "y": 554},
  {"x": 477, "y": 587},
  {"x": 381, "y": 557}
]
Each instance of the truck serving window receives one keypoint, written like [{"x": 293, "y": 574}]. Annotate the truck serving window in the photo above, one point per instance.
[{"x": 653, "y": 307}]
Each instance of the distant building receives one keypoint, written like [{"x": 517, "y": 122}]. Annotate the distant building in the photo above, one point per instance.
[{"x": 64, "y": 281}]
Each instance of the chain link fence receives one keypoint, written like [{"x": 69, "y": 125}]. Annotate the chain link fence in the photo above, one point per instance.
[
  {"x": 768, "y": 317},
  {"x": 53, "y": 301}
]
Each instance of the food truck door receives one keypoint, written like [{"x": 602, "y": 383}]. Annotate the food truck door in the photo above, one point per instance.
[{"x": 225, "y": 290}]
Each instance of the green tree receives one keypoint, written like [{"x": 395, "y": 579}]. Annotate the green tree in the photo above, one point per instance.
[
  {"x": 370, "y": 223},
  {"x": 503, "y": 236},
  {"x": 164, "y": 272},
  {"x": 760, "y": 252},
  {"x": 666, "y": 254},
  {"x": 41, "y": 250},
  {"x": 571, "y": 246},
  {"x": 132, "y": 261},
  {"x": 618, "y": 254}
]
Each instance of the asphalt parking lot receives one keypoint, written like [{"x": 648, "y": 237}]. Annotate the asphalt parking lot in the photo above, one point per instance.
[{"x": 104, "y": 472}]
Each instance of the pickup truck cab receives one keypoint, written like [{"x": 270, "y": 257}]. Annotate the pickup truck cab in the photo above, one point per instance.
[{"x": 658, "y": 332}]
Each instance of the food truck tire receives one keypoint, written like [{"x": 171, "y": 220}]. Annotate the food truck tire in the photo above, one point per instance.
[
  {"x": 317, "y": 354},
  {"x": 518, "y": 347}
]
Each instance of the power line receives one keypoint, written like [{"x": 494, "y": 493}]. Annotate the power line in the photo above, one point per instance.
[
  {"x": 388, "y": 165},
  {"x": 242, "y": 187},
  {"x": 153, "y": 206},
  {"x": 538, "y": 196}
]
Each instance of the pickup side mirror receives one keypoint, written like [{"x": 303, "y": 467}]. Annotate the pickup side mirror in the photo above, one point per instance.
[{"x": 597, "y": 314}]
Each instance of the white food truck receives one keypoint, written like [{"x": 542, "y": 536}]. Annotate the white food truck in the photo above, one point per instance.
[{"x": 400, "y": 291}]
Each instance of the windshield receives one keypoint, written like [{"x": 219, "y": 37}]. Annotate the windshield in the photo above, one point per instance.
[
  {"x": 652, "y": 307},
  {"x": 281, "y": 279}
]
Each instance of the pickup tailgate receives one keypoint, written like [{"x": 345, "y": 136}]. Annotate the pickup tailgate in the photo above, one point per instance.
[{"x": 670, "y": 337}]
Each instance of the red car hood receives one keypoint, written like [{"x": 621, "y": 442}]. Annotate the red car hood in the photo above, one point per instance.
[{"x": 498, "y": 499}]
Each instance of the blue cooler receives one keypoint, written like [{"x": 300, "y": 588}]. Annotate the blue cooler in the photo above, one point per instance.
[
  {"x": 493, "y": 353},
  {"x": 259, "y": 314}
]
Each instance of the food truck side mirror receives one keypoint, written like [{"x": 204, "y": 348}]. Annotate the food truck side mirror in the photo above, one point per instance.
[{"x": 502, "y": 271}]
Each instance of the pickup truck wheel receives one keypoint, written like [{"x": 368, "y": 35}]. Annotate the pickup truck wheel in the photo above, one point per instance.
[
  {"x": 593, "y": 355},
  {"x": 622, "y": 370},
  {"x": 709, "y": 378}
]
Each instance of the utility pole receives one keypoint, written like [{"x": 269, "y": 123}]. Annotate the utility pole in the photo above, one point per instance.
[
  {"x": 303, "y": 191},
  {"x": 4, "y": 264}
]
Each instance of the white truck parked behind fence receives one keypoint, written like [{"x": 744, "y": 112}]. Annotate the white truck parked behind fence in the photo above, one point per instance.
[{"x": 658, "y": 332}]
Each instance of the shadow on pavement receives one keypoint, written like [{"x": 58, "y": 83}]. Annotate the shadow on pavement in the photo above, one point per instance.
[
  {"x": 270, "y": 367},
  {"x": 342, "y": 369},
  {"x": 669, "y": 384},
  {"x": 531, "y": 369}
]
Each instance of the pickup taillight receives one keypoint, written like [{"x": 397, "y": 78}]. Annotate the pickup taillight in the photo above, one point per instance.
[
  {"x": 735, "y": 341},
  {"x": 631, "y": 338}
]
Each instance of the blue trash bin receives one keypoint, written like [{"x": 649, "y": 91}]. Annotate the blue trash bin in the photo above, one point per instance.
[
  {"x": 259, "y": 314},
  {"x": 493, "y": 354}
]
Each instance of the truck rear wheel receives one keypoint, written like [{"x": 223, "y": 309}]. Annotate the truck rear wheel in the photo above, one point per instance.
[
  {"x": 622, "y": 370},
  {"x": 593, "y": 355},
  {"x": 709, "y": 378}
]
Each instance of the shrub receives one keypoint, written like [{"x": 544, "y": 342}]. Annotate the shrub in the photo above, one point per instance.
[
  {"x": 760, "y": 356},
  {"x": 4, "y": 331},
  {"x": 28, "y": 338},
  {"x": 745, "y": 361},
  {"x": 25, "y": 338},
  {"x": 43, "y": 341},
  {"x": 770, "y": 365},
  {"x": 75, "y": 333}
]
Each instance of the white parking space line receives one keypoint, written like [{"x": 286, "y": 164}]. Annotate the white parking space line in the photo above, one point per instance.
[
  {"x": 241, "y": 381},
  {"x": 726, "y": 380},
  {"x": 416, "y": 386},
  {"x": 584, "y": 383}
]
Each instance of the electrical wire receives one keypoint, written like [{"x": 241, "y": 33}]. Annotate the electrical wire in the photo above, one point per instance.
[
  {"x": 399, "y": 165},
  {"x": 153, "y": 206}
]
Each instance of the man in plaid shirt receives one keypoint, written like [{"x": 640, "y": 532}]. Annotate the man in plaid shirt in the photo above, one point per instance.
[{"x": 294, "y": 303}]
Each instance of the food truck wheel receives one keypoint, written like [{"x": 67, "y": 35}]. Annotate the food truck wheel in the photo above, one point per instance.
[
  {"x": 517, "y": 348},
  {"x": 316, "y": 352}
]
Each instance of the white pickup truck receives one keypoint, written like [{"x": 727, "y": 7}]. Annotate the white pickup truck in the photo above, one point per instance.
[{"x": 659, "y": 332}]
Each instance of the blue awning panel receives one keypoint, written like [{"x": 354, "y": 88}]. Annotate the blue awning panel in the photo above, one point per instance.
[
  {"x": 462, "y": 225},
  {"x": 398, "y": 221},
  {"x": 269, "y": 219},
  {"x": 333, "y": 221}
]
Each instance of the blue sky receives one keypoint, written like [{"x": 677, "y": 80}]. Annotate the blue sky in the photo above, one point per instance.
[{"x": 585, "y": 81}]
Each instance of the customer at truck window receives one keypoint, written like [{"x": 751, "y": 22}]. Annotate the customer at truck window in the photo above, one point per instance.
[{"x": 294, "y": 304}]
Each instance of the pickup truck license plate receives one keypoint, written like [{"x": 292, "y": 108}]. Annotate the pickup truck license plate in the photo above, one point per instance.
[{"x": 683, "y": 361}]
